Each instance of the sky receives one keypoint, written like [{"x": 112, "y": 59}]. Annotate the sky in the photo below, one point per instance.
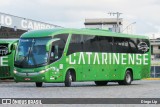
[{"x": 72, "y": 13}]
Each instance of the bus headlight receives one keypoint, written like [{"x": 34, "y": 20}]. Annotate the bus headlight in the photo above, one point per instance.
[
  {"x": 43, "y": 71},
  {"x": 15, "y": 72}
]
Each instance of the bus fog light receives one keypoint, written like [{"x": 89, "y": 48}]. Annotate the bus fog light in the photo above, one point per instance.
[{"x": 41, "y": 72}]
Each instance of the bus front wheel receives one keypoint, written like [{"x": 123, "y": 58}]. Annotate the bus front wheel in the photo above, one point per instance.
[
  {"x": 39, "y": 84},
  {"x": 127, "y": 80},
  {"x": 101, "y": 83},
  {"x": 68, "y": 79}
]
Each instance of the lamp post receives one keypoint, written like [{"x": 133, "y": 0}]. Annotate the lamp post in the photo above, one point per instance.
[
  {"x": 118, "y": 15},
  {"x": 128, "y": 26}
]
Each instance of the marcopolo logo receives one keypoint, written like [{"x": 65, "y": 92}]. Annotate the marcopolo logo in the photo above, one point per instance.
[
  {"x": 143, "y": 46},
  {"x": 3, "y": 50}
]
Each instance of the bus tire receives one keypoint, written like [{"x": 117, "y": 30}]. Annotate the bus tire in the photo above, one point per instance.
[
  {"x": 39, "y": 84},
  {"x": 101, "y": 83},
  {"x": 127, "y": 80},
  {"x": 68, "y": 79}
]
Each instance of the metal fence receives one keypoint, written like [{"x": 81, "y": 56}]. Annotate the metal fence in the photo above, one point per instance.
[{"x": 155, "y": 72}]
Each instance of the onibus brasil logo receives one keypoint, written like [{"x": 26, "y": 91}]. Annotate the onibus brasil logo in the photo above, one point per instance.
[{"x": 3, "y": 50}]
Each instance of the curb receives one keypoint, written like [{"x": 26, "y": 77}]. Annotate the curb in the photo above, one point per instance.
[{"x": 151, "y": 79}]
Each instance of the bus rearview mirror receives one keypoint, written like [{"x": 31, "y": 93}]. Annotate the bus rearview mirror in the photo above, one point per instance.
[{"x": 49, "y": 43}]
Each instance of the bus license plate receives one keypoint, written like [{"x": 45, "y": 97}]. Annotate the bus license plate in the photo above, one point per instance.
[{"x": 27, "y": 79}]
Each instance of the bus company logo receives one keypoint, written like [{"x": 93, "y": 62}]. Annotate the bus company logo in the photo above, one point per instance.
[
  {"x": 143, "y": 46},
  {"x": 3, "y": 50}
]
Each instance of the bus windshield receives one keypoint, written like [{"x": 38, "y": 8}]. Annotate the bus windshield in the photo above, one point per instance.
[{"x": 31, "y": 52}]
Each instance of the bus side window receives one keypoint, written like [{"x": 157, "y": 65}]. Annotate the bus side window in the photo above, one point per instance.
[
  {"x": 75, "y": 44},
  {"x": 132, "y": 46},
  {"x": 122, "y": 45},
  {"x": 105, "y": 44}
]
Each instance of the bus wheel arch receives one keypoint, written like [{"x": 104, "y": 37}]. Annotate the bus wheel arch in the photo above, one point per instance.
[
  {"x": 128, "y": 77},
  {"x": 129, "y": 69},
  {"x": 73, "y": 73},
  {"x": 70, "y": 77}
]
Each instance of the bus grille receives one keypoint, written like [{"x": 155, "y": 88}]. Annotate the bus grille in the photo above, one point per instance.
[{"x": 4, "y": 71}]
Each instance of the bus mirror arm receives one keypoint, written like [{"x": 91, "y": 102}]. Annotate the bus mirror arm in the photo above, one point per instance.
[
  {"x": 12, "y": 46},
  {"x": 49, "y": 43},
  {"x": 9, "y": 48},
  {"x": 48, "y": 47}
]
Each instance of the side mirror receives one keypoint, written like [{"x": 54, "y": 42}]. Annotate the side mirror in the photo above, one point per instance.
[
  {"x": 9, "y": 48},
  {"x": 12, "y": 46},
  {"x": 49, "y": 44}
]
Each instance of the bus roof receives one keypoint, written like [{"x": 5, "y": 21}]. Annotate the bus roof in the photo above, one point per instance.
[
  {"x": 86, "y": 31},
  {"x": 8, "y": 41}
]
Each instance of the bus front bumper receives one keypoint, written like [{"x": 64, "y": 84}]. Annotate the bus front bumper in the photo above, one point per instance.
[
  {"x": 29, "y": 77},
  {"x": 37, "y": 77}
]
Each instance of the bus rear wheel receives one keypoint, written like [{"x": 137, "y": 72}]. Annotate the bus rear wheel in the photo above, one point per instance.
[
  {"x": 68, "y": 79},
  {"x": 101, "y": 83},
  {"x": 39, "y": 84},
  {"x": 127, "y": 80}
]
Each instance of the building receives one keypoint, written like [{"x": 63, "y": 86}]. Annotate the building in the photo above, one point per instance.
[
  {"x": 110, "y": 24},
  {"x": 125, "y": 27},
  {"x": 155, "y": 46},
  {"x": 13, "y": 26},
  {"x": 155, "y": 58}
]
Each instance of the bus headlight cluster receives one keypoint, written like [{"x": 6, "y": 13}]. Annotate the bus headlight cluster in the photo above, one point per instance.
[
  {"x": 43, "y": 71},
  {"x": 15, "y": 72}
]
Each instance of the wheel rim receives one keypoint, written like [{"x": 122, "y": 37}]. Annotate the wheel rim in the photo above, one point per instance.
[
  {"x": 70, "y": 77},
  {"x": 128, "y": 78}
]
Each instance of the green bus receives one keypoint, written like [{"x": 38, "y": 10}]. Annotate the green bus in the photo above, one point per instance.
[
  {"x": 70, "y": 55},
  {"x": 7, "y": 53}
]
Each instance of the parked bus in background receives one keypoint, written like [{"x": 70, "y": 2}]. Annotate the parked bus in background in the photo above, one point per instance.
[
  {"x": 69, "y": 55},
  {"x": 7, "y": 53}
]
